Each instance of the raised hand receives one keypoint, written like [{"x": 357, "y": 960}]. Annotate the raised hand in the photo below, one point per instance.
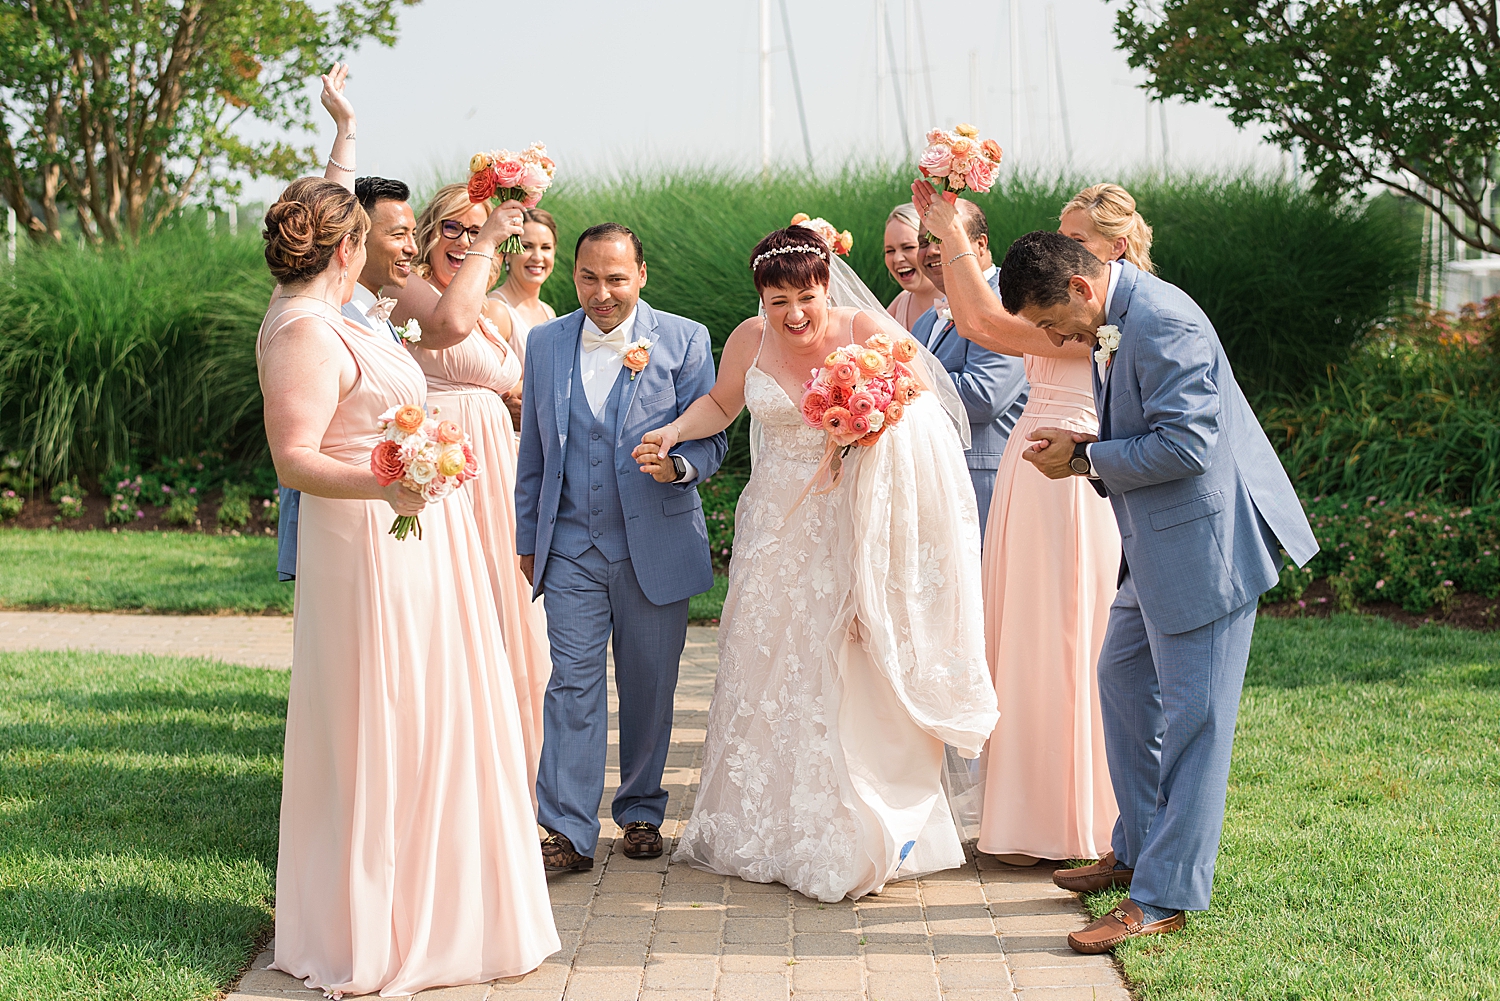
[
  {"x": 939, "y": 214},
  {"x": 333, "y": 97},
  {"x": 506, "y": 220}
]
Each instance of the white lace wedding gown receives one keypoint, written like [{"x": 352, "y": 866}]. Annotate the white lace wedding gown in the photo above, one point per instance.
[{"x": 851, "y": 649}]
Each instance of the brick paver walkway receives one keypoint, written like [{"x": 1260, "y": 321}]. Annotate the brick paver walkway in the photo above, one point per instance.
[{"x": 658, "y": 931}]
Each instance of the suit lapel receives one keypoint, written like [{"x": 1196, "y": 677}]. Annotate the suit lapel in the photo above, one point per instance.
[
  {"x": 1118, "y": 307},
  {"x": 645, "y": 326},
  {"x": 567, "y": 352}
]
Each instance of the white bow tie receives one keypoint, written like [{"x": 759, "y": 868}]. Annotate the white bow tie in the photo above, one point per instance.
[{"x": 614, "y": 340}]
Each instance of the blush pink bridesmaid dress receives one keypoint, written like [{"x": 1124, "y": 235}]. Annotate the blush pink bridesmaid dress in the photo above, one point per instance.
[
  {"x": 1051, "y": 558},
  {"x": 466, "y": 383},
  {"x": 408, "y": 856}
]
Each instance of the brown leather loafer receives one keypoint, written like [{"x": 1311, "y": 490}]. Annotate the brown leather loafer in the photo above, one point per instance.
[
  {"x": 559, "y": 855},
  {"x": 1086, "y": 879},
  {"x": 1121, "y": 924},
  {"x": 642, "y": 840}
]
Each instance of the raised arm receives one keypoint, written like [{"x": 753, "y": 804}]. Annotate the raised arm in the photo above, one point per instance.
[
  {"x": 713, "y": 412},
  {"x": 977, "y": 313},
  {"x": 340, "y": 166},
  {"x": 449, "y": 316}
]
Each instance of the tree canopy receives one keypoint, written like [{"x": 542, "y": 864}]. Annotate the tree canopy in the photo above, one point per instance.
[
  {"x": 1403, "y": 93},
  {"x": 122, "y": 111}
]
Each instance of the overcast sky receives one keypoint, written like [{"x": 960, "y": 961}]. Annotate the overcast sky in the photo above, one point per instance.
[{"x": 621, "y": 86}]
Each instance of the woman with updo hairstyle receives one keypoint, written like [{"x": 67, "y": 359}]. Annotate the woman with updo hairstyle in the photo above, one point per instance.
[
  {"x": 525, "y": 274},
  {"x": 1103, "y": 218},
  {"x": 903, "y": 259},
  {"x": 818, "y": 637},
  {"x": 476, "y": 381},
  {"x": 408, "y": 857}
]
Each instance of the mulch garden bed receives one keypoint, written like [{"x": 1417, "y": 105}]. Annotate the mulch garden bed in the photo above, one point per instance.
[
  {"x": 1468, "y": 611},
  {"x": 40, "y": 513}
]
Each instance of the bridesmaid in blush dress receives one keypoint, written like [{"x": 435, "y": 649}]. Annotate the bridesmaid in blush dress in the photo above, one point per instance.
[
  {"x": 408, "y": 854},
  {"x": 469, "y": 378},
  {"x": 525, "y": 274},
  {"x": 1051, "y": 560}
]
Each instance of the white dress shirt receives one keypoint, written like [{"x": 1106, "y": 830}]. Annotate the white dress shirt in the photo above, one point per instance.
[
  {"x": 599, "y": 368},
  {"x": 1109, "y": 297}
]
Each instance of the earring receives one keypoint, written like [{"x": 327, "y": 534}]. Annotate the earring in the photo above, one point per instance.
[{"x": 344, "y": 276}]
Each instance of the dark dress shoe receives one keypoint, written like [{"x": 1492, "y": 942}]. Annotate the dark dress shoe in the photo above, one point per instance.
[
  {"x": 642, "y": 840},
  {"x": 1099, "y": 876},
  {"x": 1123, "y": 923},
  {"x": 559, "y": 855}
]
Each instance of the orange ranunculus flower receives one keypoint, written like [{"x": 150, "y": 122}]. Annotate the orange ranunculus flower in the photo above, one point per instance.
[
  {"x": 893, "y": 413},
  {"x": 836, "y": 421},
  {"x": 451, "y": 460},
  {"x": 991, "y": 150},
  {"x": 879, "y": 342},
  {"x": 636, "y": 358},
  {"x": 799, "y": 219},
  {"x": 843, "y": 373},
  {"x": 871, "y": 362},
  {"x": 904, "y": 349},
  {"x": 962, "y": 148},
  {"x": 905, "y": 390},
  {"x": 409, "y": 419},
  {"x": 449, "y": 433}
]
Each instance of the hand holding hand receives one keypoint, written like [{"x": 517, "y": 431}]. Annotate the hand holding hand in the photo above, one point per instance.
[
  {"x": 652, "y": 453},
  {"x": 513, "y": 404},
  {"x": 403, "y": 500},
  {"x": 1054, "y": 450},
  {"x": 333, "y": 96}
]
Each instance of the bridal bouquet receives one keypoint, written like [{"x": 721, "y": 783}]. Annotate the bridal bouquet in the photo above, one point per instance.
[
  {"x": 430, "y": 456},
  {"x": 839, "y": 243},
  {"x": 861, "y": 390},
  {"x": 501, "y": 175},
  {"x": 959, "y": 160}
]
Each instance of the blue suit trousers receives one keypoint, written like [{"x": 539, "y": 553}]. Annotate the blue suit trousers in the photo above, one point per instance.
[
  {"x": 984, "y": 489},
  {"x": 1169, "y": 703},
  {"x": 589, "y": 602}
]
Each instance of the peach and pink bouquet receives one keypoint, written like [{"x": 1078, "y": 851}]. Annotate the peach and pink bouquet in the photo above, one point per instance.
[
  {"x": 431, "y": 456},
  {"x": 861, "y": 391},
  {"x": 959, "y": 161},
  {"x": 839, "y": 243},
  {"x": 502, "y": 175}
]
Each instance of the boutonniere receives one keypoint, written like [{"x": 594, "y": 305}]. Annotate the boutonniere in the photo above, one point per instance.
[
  {"x": 945, "y": 312},
  {"x": 637, "y": 355},
  {"x": 381, "y": 311},
  {"x": 410, "y": 332},
  {"x": 1109, "y": 342}
]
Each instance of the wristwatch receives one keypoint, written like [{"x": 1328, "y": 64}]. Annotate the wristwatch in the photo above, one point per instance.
[
  {"x": 679, "y": 464},
  {"x": 1080, "y": 462}
]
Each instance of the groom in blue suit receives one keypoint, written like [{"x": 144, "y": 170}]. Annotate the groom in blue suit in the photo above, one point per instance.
[
  {"x": 1204, "y": 508},
  {"x": 617, "y": 553},
  {"x": 992, "y": 386}
]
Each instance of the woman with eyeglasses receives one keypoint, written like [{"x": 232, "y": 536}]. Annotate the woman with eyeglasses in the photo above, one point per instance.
[{"x": 471, "y": 367}]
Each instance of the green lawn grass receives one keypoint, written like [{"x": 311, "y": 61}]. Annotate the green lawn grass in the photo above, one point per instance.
[
  {"x": 1364, "y": 810},
  {"x": 138, "y": 824},
  {"x": 149, "y": 571}
]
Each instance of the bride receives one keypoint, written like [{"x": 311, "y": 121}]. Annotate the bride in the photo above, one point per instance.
[{"x": 852, "y": 643}]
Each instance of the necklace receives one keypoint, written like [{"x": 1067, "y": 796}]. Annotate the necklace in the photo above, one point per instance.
[{"x": 299, "y": 295}]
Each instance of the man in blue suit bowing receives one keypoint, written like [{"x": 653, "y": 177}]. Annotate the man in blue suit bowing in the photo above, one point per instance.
[
  {"x": 1204, "y": 507},
  {"x": 992, "y": 386},
  {"x": 617, "y": 553}
]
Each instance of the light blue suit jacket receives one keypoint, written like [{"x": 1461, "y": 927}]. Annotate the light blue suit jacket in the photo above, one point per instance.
[
  {"x": 664, "y": 525},
  {"x": 1200, "y": 496},
  {"x": 992, "y": 386}
]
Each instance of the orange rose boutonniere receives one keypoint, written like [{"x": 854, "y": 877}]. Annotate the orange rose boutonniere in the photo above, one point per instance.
[{"x": 637, "y": 355}]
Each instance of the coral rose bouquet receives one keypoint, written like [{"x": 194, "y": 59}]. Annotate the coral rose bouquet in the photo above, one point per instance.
[
  {"x": 432, "y": 457},
  {"x": 959, "y": 161},
  {"x": 502, "y": 175}
]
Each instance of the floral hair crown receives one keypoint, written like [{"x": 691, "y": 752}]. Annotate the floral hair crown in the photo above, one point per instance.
[{"x": 797, "y": 249}]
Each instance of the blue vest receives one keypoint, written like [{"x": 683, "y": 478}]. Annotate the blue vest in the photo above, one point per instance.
[{"x": 589, "y": 512}]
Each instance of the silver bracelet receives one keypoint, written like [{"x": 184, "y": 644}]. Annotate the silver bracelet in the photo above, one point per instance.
[
  {"x": 966, "y": 253},
  {"x": 475, "y": 253},
  {"x": 340, "y": 166}
]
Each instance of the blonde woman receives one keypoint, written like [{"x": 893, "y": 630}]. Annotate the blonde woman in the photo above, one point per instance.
[
  {"x": 1051, "y": 559},
  {"x": 525, "y": 274},
  {"x": 471, "y": 366},
  {"x": 903, "y": 259}
]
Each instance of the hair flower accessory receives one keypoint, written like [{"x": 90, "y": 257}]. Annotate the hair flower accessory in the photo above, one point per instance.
[
  {"x": 839, "y": 242},
  {"x": 1109, "y": 342},
  {"x": 636, "y": 356}
]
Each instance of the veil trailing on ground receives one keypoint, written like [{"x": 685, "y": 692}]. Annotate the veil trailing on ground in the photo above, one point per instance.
[{"x": 846, "y": 289}]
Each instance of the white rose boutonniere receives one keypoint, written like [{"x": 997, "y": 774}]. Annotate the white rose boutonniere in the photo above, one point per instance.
[
  {"x": 944, "y": 311},
  {"x": 410, "y": 332},
  {"x": 1109, "y": 341}
]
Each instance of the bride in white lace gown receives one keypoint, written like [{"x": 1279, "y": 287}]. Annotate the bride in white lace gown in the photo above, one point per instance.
[{"x": 851, "y": 647}]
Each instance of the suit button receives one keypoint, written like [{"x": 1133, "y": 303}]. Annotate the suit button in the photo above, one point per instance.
[
  {"x": 596, "y": 437},
  {"x": 596, "y": 510},
  {"x": 597, "y": 534},
  {"x": 596, "y": 462},
  {"x": 596, "y": 486},
  {"x": 552, "y": 520}
]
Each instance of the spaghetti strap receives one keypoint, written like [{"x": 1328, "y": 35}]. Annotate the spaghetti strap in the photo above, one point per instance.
[{"x": 762, "y": 345}]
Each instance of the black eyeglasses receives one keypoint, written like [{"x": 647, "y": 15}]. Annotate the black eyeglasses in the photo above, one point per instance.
[{"x": 453, "y": 229}]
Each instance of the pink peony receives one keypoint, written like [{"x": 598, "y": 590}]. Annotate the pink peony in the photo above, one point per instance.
[
  {"x": 981, "y": 175},
  {"x": 815, "y": 404},
  {"x": 936, "y": 161},
  {"x": 880, "y": 388},
  {"x": 861, "y": 403},
  {"x": 508, "y": 173}
]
